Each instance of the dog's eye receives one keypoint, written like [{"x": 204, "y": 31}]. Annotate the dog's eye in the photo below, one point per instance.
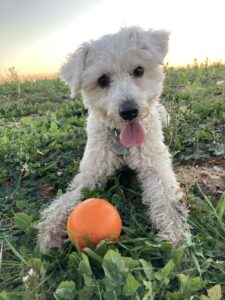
[
  {"x": 138, "y": 72},
  {"x": 103, "y": 81}
]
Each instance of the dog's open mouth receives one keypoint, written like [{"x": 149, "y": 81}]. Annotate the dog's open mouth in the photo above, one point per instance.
[{"x": 132, "y": 134}]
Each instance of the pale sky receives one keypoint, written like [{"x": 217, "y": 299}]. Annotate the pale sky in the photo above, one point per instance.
[{"x": 36, "y": 35}]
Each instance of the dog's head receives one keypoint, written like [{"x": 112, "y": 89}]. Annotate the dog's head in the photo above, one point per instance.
[{"x": 119, "y": 75}]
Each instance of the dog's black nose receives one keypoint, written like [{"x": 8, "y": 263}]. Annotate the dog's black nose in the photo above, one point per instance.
[{"x": 128, "y": 110}]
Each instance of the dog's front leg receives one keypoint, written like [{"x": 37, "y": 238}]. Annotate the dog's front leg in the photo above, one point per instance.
[
  {"x": 96, "y": 166},
  {"x": 167, "y": 212},
  {"x": 53, "y": 220}
]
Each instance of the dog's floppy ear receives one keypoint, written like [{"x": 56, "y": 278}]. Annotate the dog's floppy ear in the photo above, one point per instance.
[
  {"x": 157, "y": 41},
  {"x": 72, "y": 70}
]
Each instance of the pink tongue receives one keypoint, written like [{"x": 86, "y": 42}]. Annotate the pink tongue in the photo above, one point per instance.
[{"x": 132, "y": 134}]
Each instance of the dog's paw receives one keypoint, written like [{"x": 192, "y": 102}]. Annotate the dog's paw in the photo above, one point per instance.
[
  {"x": 177, "y": 232},
  {"x": 53, "y": 221},
  {"x": 176, "y": 238},
  {"x": 48, "y": 238},
  {"x": 174, "y": 226},
  {"x": 50, "y": 229}
]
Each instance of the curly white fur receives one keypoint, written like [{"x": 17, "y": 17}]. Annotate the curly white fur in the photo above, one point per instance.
[{"x": 117, "y": 56}]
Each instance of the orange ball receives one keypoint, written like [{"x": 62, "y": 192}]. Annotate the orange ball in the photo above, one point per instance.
[{"x": 95, "y": 219}]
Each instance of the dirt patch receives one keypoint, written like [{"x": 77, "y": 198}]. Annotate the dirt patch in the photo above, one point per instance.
[{"x": 210, "y": 175}]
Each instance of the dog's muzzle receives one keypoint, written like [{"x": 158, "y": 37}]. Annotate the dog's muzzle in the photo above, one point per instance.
[{"x": 128, "y": 110}]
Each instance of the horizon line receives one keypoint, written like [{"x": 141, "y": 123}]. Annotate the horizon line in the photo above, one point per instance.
[{"x": 13, "y": 75}]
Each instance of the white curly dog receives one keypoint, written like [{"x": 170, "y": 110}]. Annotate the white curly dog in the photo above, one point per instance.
[{"x": 121, "y": 81}]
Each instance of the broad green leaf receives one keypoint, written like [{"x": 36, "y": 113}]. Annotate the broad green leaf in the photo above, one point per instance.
[
  {"x": 149, "y": 294},
  {"x": 21, "y": 204},
  {"x": 116, "y": 274},
  {"x": 166, "y": 246},
  {"x": 4, "y": 296},
  {"x": 89, "y": 284},
  {"x": 115, "y": 268},
  {"x": 190, "y": 284},
  {"x": 130, "y": 286},
  {"x": 177, "y": 256},
  {"x": 204, "y": 297},
  {"x": 89, "y": 281},
  {"x": 84, "y": 266},
  {"x": 87, "y": 293},
  {"x": 175, "y": 296},
  {"x": 110, "y": 295},
  {"x": 22, "y": 221},
  {"x": 74, "y": 260},
  {"x": 215, "y": 292},
  {"x": 66, "y": 291},
  {"x": 147, "y": 268},
  {"x": 130, "y": 262},
  {"x": 166, "y": 271}
]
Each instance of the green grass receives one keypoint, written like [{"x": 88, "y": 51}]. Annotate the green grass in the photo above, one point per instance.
[{"x": 42, "y": 139}]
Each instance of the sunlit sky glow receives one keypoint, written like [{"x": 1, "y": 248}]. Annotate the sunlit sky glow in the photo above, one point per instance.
[{"x": 35, "y": 36}]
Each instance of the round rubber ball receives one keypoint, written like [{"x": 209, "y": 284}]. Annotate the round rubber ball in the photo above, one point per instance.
[{"x": 93, "y": 219}]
